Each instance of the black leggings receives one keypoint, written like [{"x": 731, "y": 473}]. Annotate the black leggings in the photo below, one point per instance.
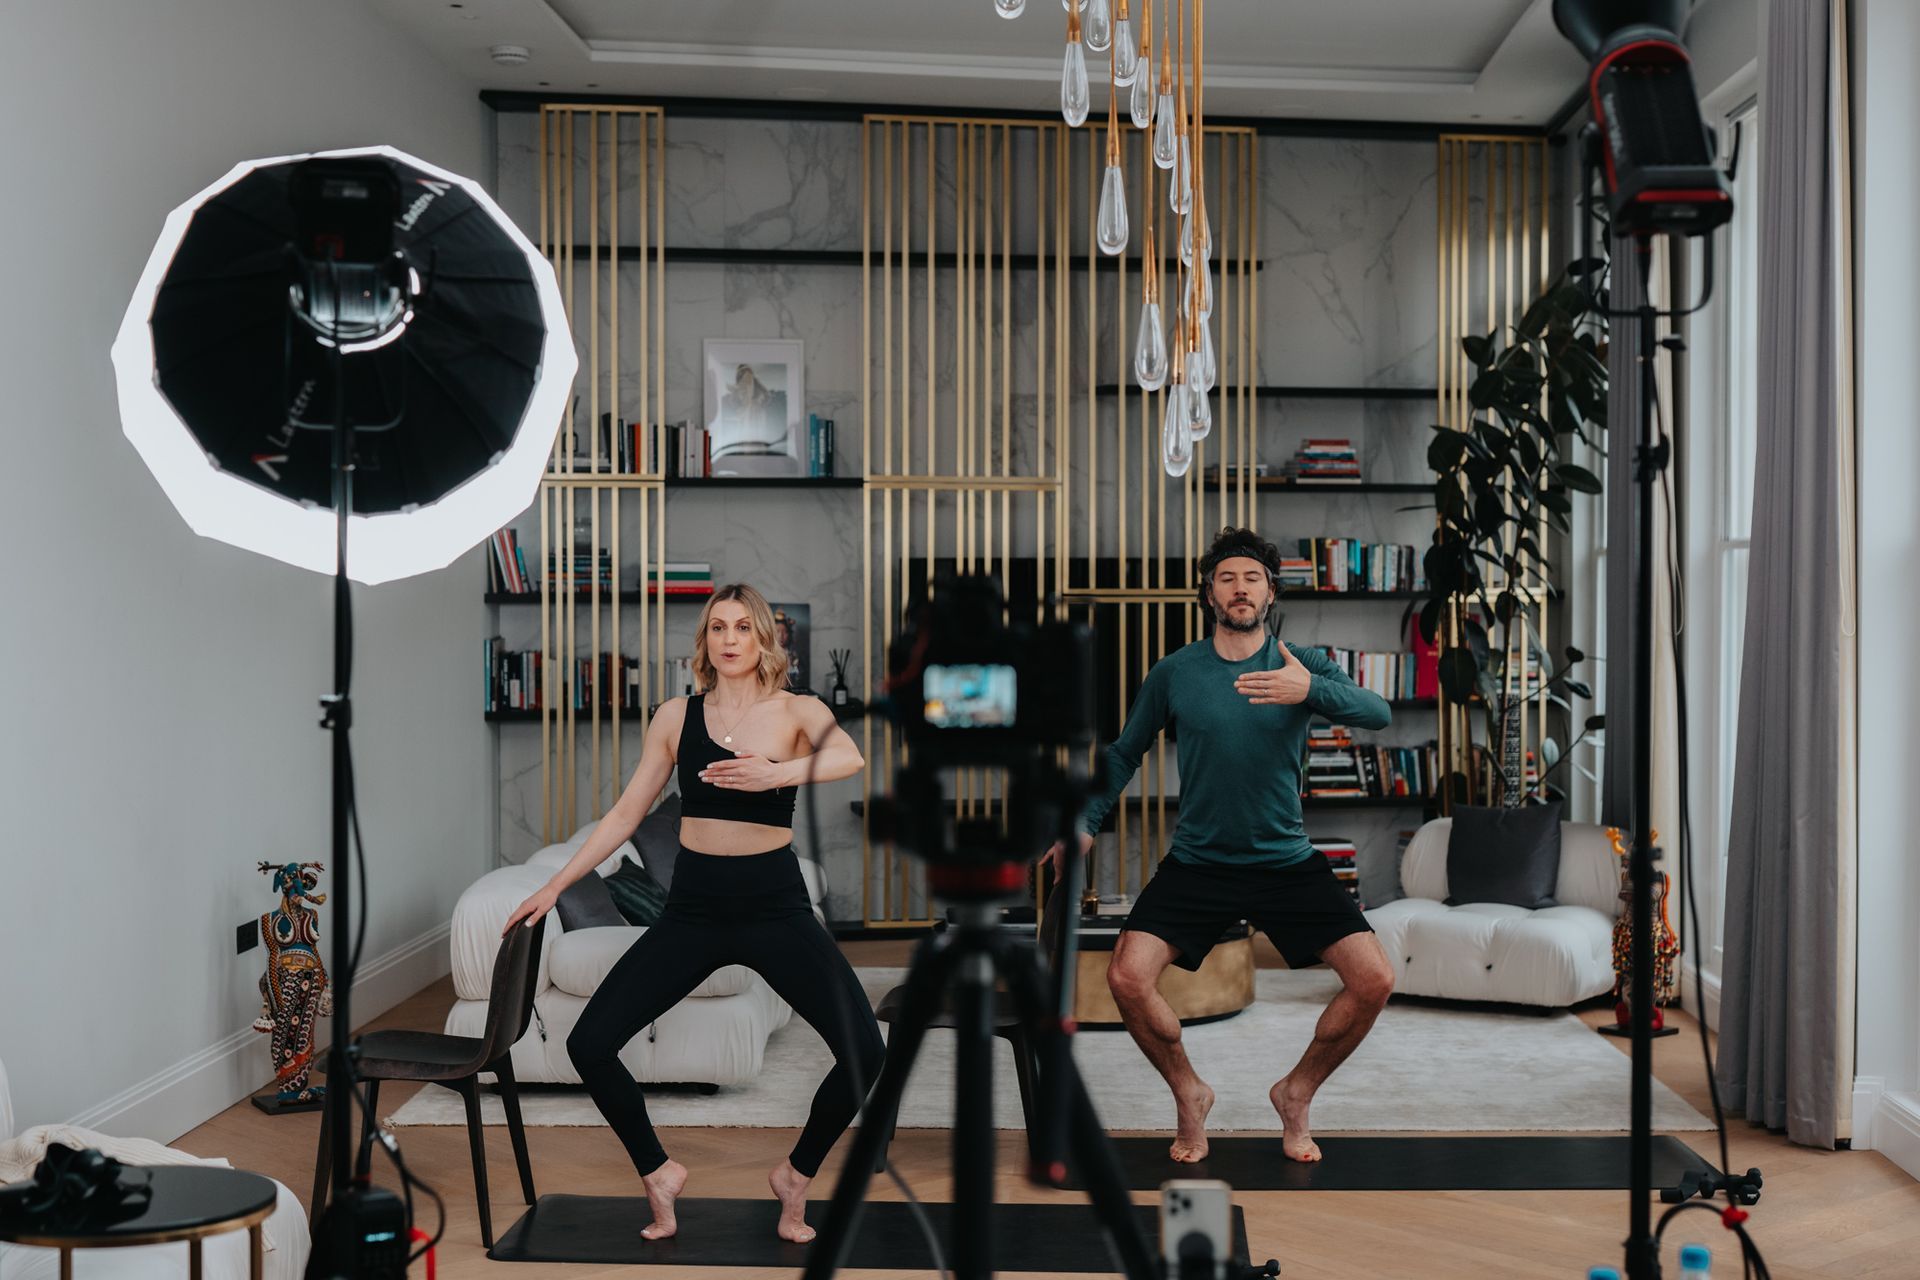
[{"x": 750, "y": 910}]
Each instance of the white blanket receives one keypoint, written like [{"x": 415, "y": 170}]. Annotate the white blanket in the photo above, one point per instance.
[{"x": 20, "y": 1156}]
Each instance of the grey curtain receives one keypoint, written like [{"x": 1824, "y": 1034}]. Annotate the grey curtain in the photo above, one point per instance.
[{"x": 1781, "y": 1007}]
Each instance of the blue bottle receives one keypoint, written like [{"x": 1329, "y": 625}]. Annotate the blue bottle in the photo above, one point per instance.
[
  {"x": 1695, "y": 1262},
  {"x": 1603, "y": 1273}
]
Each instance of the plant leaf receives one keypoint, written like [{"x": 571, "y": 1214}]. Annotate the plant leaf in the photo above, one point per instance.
[
  {"x": 1458, "y": 674},
  {"x": 1576, "y": 477}
]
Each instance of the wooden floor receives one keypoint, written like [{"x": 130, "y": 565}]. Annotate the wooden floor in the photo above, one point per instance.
[{"x": 1825, "y": 1214}]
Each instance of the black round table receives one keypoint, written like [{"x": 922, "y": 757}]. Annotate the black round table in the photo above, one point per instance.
[{"x": 190, "y": 1203}]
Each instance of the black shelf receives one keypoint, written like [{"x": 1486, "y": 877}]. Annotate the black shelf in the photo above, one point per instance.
[
  {"x": 580, "y": 714},
  {"x": 1297, "y": 593},
  {"x": 765, "y": 482},
  {"x": 946, "y": 261},
  {"x": 586, "y": 597},
  {"x": 1309, "y": 804},
  {"x": 1290, "y": 392},
  {"x": 1279, "y": 484}
]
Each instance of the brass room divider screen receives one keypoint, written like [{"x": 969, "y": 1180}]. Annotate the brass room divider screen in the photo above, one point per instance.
[
  {"x": 602, "y": 185},
  {"x": 1494, "y": 255},
  {"x": 1002, "y": 432}
]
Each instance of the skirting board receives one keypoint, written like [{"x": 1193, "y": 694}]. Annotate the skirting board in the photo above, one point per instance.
[
  {"x": 1887, "y": 1122},
  {"x": 1711, "y": 986},
  {"x": 187, "y": 1093}
]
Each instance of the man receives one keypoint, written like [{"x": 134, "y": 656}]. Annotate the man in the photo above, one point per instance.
[{"x": 1242, "y": 701}]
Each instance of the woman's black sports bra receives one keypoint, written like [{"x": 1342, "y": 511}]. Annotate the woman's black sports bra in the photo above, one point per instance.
[{"x": 701, "y": 799}]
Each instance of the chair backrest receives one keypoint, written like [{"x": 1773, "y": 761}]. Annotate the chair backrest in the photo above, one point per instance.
[
  {"x": 510, "y": 1003},
  {"x": 1589, "y": 873}
]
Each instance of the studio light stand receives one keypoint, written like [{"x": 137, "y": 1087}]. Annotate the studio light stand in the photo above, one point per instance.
[
  {"x": 1652, "y": 455},
  {"x": 229, "y": 363}
]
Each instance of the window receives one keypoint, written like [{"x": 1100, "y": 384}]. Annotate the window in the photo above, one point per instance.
[{"x": 1720, "y": 496}]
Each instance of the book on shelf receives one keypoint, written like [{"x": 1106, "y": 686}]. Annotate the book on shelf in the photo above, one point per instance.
[
  {"x": 1350, "y": 565},
  {"x": 507, "y": 563},
  {"x": 685, "y": 578},
  {"x": 513, "y": 677},
  {"x": 819, "y": 445},
  {"x": 1321, "y": 460},
  {"x": 1339, "y": 767},
  {"x": 1391, "y": 675},
  {"x": 686, "y": 451}
]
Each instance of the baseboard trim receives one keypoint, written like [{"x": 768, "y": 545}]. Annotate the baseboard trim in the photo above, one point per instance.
[
  {"x": 1887, "y": 1122},
  {"x": 1710, "y": 987},
  {"x": 187, "y": 1093}
]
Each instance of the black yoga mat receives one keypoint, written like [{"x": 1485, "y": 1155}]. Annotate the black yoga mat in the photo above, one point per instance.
[
  {"x": 1552, "y": 1162},
  {"x": 739, "y": 1233}
]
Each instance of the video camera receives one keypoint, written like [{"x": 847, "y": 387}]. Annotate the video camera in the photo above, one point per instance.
[{"x": 969, "y": 688}]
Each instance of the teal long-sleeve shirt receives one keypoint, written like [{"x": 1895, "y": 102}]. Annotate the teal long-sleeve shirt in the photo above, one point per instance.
[{"x": 1239, "y": 764}]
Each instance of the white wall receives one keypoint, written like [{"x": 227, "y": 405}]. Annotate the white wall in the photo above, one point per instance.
[
  {"x": 1886, "y": 43},
  {"x": 161, "y": 723}
]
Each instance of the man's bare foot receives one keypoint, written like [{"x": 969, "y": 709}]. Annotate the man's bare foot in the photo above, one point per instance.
[
  {"x": 790, "y": 1189},
  {"x": 1296, "y": 1142},
  {"x": 1190, "y": 1118},
  {"x": 663, "y": 1188}
]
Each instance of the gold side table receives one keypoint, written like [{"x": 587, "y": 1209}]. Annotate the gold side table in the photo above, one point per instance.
[{"x": 190, "y": 1203}]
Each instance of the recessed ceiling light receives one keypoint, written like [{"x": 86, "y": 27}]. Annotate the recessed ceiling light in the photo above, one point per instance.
[{"x": 593, "y": 86}]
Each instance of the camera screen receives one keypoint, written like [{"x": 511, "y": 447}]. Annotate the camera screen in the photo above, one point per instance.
[{"x": 975, "y": 696}]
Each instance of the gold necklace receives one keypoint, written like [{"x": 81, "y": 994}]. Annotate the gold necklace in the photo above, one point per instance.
[{"x": 727, "y": 741}]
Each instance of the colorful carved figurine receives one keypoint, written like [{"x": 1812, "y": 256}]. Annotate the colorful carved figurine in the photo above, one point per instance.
[
  {"x": 294, "y": 990},
  {"x": 1666, "y": 945}
]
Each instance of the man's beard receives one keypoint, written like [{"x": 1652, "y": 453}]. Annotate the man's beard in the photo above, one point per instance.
[{"x": 1256, "y": 619}]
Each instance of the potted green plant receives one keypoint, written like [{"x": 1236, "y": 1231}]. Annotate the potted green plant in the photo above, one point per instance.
[{"x": 1533, "y": 392}]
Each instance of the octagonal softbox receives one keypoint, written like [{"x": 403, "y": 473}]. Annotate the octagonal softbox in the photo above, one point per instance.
[{"x": 454, "y": 412}]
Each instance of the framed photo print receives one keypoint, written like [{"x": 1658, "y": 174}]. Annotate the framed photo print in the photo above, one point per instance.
[
  {"x": 793, "y": 631},
  {"x": 756, "y": 406}
]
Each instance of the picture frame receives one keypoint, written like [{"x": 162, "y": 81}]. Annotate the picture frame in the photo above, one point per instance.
[
  {"x": 793, "y": 631},
  {"x": 755, "y": 405}
]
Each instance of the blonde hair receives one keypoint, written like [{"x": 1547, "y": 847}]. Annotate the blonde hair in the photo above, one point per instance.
[{"x": 773, "y": 659}]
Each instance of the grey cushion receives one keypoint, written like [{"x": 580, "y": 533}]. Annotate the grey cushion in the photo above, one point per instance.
[
  {"x": 587, "y": 904},
  {"x": 638, "y": 895},
  {"x": 1509, "y": 856},
  {"x": 657, "y": 840}
]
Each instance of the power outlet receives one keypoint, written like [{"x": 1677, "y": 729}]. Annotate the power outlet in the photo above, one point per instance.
[{"x": 246, "y": 937}]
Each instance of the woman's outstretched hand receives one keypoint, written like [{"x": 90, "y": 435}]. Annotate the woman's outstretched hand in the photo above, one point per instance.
[
  {"x": 747, "y": 772},
  {"x": 530, "y": 911}
]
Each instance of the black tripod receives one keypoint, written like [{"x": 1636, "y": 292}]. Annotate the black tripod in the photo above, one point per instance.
[{"x": 968, "y": 958}]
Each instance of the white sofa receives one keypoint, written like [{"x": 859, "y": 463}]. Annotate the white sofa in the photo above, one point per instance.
[
  {"x": 716, "y": 1036},
  {"x": 223, "y": 1257},
  {"x": 1556, "y": 956}
]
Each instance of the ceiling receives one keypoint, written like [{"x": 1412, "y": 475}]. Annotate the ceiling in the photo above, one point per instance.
[{"x": 1487, "y": 62}]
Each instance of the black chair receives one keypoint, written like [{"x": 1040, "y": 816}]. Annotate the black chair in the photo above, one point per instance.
[
  {"x": 456, "y": 1061},
  {"x": 1006, "y": 1026}
]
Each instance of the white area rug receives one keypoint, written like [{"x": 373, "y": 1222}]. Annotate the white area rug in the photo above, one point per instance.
[{"x": 1423, "y": 1068}]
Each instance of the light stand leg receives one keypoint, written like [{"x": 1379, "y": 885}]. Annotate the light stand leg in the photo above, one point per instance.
[
  {"x": 974, "y": 1136},
  {"x": 925, "y": 991},
  {"x": 1086, "y": 1138}
]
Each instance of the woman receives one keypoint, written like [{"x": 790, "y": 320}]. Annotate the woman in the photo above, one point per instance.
[{"x": 740, "y": 747}]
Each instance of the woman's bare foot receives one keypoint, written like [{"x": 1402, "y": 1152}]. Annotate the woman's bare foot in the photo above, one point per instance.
[
  {"x": 790, "y": 1189},
  {"x": 1296, "y": 1142},
  {"x": 1190, "y": 1119},
  {"x": 663, "y": 1188}
]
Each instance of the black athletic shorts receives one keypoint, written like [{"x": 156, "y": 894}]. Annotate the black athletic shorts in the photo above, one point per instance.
[{"x": 1303, "y": 908}]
